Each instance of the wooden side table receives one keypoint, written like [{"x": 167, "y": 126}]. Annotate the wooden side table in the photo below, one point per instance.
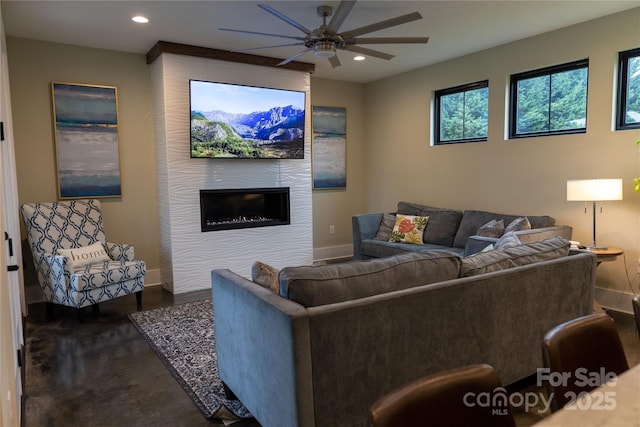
[
  {"x": 611, "y": 253},
  {"x": 605, "y": 255}
]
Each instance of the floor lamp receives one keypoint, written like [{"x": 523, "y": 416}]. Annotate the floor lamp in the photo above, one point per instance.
[{"x": 594, "y": 190}]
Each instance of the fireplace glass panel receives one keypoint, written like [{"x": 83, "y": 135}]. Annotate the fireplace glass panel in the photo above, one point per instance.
[{"x": 244, "y": 208}]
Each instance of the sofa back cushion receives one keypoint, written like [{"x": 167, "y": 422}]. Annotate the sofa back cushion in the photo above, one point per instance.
[
  {"x": 472, "y": 220},
  {"x": 543, "y": 250},
  {"x": 332, "y": 283},
  {"x": 514, "y": 256},
  {"x": 485, "y": 262},
  {"x": 443, "y": 223}
]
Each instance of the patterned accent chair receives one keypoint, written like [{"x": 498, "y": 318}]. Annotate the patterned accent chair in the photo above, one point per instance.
[{"x": 78, "y": 224}]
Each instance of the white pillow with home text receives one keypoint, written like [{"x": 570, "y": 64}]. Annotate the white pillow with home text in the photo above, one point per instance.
[{"x": 81, "y": 257}]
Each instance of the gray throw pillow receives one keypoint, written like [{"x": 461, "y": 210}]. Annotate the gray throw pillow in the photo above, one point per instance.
[
  {"x": 518, "y": 224},
  {"x": 386, "y": 227},
  {"x": 265, "y": 276},
  {"x": 492, "y": 228},
  {"x": 508, "y": 240}
]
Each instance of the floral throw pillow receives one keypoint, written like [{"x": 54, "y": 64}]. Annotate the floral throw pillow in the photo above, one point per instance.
[{"x": 408, "y": 229}]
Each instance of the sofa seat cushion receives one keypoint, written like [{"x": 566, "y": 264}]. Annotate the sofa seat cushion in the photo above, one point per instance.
[
  {"x": 380, "y": 249},
  {"x": 328, "y": 284},
  {"x": 106, "y": 273},
  {"x": 443, "y": 223},
  {"x": 472, "y": 220}
]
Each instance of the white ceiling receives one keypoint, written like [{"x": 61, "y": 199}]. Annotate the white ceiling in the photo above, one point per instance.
[{"x": 455, "y": 27}]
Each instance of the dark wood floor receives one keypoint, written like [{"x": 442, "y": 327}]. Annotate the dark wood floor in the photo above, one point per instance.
[{"x": 103, "y": 373}]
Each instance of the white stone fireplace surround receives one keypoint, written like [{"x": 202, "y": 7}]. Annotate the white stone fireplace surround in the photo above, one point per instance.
[{"x": 187, "y": 255}]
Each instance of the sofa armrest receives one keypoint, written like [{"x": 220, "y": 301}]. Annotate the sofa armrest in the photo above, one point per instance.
[
  {"x": 365, "y": 226},
  {"x": 536, "y": 234},
  {"x": 263, "y": 350},
  {"x": 476, "y": 243},
  {"x": 59, "y": 271}
]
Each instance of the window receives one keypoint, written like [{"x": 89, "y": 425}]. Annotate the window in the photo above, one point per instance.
[
  {"x": 629, "y": 90},
  {"x": 549, "y": 101},
  {"x": 462, "y": 113}
]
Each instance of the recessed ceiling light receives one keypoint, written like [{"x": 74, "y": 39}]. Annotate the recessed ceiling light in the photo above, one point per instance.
[
  {"x": 358, "y": 58},
  {"x": 140, "y": 19}
]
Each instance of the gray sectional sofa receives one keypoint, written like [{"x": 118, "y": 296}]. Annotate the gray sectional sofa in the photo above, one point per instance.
[
  {"x": 449, "y": 230},
  {"x": 337, "y": 337}
]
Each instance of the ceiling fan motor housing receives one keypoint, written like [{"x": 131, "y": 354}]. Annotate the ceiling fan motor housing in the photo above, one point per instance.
[{"x": 325, "y": 11}]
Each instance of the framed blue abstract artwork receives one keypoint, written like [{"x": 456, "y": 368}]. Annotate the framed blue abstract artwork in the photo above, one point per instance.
[
  {"x": 329, "y": 148},
  {"x": 86, "y": 137}
]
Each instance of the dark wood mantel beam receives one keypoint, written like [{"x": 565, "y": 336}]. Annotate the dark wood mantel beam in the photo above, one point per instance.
[{"x": 224, "y": 55}]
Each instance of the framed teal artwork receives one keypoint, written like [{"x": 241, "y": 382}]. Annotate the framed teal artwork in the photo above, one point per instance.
[
  {"x": 329, "y": 148},
  {"x": 86, "y": 138}
]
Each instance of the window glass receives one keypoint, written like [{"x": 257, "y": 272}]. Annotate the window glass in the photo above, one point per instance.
[
  {"x": 462, "y": 113},
  {"x": 549, "y": 101}
]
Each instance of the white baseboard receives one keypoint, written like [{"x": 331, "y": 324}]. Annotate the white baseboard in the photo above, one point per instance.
[
  {"x": 331, "y": 252},
  {"x": 152, "y": 278},
  {"x": 614, "y": 300}
]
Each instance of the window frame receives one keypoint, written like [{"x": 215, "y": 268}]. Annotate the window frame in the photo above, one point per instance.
[
  {"x": 621, "y": 101},
  {"x": 540, "y": 72},
  {"x": 438, "y": 94}
]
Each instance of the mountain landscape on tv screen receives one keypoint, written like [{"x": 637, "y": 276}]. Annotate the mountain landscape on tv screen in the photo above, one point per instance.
[{"x": 276, "y": 133}]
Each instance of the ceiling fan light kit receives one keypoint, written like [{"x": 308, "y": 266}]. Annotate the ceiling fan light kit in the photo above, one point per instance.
[
  {"x": 325, "y": 40},
  {"x": 324, "y": 49}
]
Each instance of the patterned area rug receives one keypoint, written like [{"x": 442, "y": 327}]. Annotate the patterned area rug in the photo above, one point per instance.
[{"x": 182, "y": 337}]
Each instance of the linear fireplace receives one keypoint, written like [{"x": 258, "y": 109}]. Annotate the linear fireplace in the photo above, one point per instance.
[{"x": 243, "y": 208}]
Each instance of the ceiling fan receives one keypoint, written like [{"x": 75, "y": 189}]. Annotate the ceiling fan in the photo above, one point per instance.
[{"x": 325, "y": 40}]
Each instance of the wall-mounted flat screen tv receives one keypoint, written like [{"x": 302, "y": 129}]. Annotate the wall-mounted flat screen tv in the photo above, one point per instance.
[{"x": 247, "y": 122}]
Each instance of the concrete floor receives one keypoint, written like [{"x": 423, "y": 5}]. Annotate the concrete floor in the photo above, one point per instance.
[{"x": 103, "y": 373}]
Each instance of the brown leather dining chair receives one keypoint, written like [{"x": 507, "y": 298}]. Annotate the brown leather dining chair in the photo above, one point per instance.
[
  {"x": 584, "y": 351},
  {"x": 449, "y": 398},
  {"x": 636, "y": 312}
]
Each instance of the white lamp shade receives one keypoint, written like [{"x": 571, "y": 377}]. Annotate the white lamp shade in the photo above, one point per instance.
[{"x": 594, "y": 190}]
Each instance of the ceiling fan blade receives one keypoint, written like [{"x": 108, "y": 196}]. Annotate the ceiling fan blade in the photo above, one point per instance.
[
  {"x": 386, "y": 40},
  {"x": 269, "y": 47},
  {"x": 284, "y": 18},
  {"x": 294, "y": 57},
  {"x": 368, "y": 52},
  {"x": 334, "y": 61},
  {"x": 262, "y": 34},
  {"x": 344, "y": 8},
  {"x": 382, "y": 25}
]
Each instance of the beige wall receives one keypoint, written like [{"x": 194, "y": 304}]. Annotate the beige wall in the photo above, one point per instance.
[
  {"x": 526, "y": 176},
  {"x": 388, "y": 133},
  {"x": 134, "y": 218},
  {"x": 33, "y": 65},
  {"x": 336, "y": 207}
]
